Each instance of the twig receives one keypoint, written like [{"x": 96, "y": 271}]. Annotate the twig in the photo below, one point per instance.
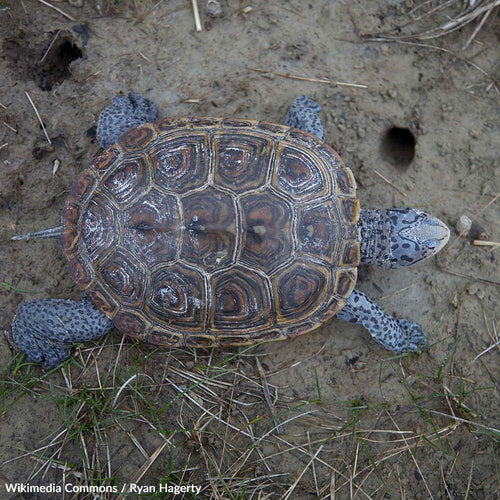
[
  {"x": 389, "y": 182},
  {"x": 307, "y": 79},
  {"x": 71, "y": 18},
  {"x": 482, "y": 243},
  {"x": 496, "y": 344},
  {"x": 9, "y": 126},
  {"x": 4, "y": 145},
  {"x": 3, "y": 106},
  {"x": 50, "y": 46},
  {"x": 196, "y": 14},
  {"x": 39, "y": 118}
]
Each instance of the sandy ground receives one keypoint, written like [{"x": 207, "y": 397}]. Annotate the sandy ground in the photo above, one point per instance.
[{"x": 354, "y": 422}]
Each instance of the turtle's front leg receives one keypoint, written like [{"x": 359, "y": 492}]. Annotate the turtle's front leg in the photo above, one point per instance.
[
  {"x": 397, "y": 335},
  {"x": 124, "y": 113},
  {"x": 46, "y": 329},
  {"x": 304, "y": 115}
]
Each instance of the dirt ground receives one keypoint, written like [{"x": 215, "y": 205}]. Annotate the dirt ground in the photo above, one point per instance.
[{"x": 329, "y": 414}]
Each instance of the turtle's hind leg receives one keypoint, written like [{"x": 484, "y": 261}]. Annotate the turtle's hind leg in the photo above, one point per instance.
[
  {"x": 304, "y": 115},
  {"x": 397, "y": 335},
  {"x": 124, "y": 113},
  {"x": 46, "y": 329}
]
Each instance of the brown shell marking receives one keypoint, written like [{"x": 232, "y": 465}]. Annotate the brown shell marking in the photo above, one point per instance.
[{"x": 210, "y": 231}]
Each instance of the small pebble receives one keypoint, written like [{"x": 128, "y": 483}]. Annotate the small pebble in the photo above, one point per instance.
[
  {"x": 213, "y": 8},
  {"x": 463, "y": 225},
  {"x": 55, "y": 166}
]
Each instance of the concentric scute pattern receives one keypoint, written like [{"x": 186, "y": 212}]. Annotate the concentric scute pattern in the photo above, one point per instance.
[
  {"x": 152, "y": 228},
  {"x": 128, "y": 179},
  {"x": 240, "y": 301},
  {"x": 177, "y": 297},
  {"x": 210, "y": 234},
  {"x": 209, "y": 231},
  {"x": 300, "y": 174},
  {"x": 241, "y": 161},
  {"x": 179, "y": 163},
  {"x": 267, "y": 235}
]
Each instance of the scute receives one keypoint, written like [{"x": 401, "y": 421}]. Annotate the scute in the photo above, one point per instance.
[
  {"x": 209, "y": 231},
  {"x": 267, "y": 240}
]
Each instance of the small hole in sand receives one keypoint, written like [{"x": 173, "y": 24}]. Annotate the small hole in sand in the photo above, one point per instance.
[
  {"x": 398, "y": 147},
  {"x": 56, "y": 67}
]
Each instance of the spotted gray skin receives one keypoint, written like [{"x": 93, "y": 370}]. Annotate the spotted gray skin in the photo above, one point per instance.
[
  {"x": 45, "y": 329},
  {"x": 124, "y": 113},
  {"x": 389, "y": 238},
  {"x": 304, "y": 114},
  {"x": 398, "y": 237}
]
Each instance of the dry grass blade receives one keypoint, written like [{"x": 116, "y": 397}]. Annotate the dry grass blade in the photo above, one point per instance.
[
  {"x": 185, "y": 393},
  {"x": 469, "y": 481},
  {"x": 294, "y": 485},
  {"x": 453, "y": 23},
  {"x": 9, "y": 127},
  {"x": 267, "y": 397},
  {"x": 409, "y": 449},
  {"x": 124, "y": 385},
  {"x": 478, "y": 28},
  {"x": 308, "y": 79},
  {"x": 385, "y": 179},
  {"x": 71, "y": 18},
  {"x": 50, "y": 46},
  {"x": 196, "y": 14},
  {"x": 39, "y": 117},
  {"x": 464, "y": 421},
  {"x": 143, "y": 469},
  {"x": 483, "y": 243}
]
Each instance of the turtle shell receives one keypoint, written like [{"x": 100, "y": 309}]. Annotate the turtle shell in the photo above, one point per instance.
[{"x": 202, "y": 232}]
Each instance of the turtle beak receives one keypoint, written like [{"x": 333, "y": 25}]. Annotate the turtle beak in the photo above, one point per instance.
[{"x": 437, "y": 233}]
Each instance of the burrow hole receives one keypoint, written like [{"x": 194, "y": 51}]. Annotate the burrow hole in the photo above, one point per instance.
[
  {"x": 56, "y": 66},
  {"x": 398, "y": 147}
]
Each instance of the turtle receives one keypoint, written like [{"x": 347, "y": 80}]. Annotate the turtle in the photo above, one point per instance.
[{"x": 204, "y": 232}]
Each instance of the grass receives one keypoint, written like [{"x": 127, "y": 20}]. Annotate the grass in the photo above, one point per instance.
[{"x": 215, "y": 426}]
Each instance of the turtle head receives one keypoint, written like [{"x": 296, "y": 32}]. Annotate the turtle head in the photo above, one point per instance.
[{"x": 415, "y": 236}]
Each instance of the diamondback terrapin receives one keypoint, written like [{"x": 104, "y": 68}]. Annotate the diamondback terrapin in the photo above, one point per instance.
[{"x": 205, "y": 231}]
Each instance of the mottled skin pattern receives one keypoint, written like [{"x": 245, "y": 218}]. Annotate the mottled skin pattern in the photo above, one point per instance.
[
  {"x": 304, "y": 114},
  {"x": 398, "y": 237},
  {"x": 389, "y": 238},
  {"x": 124, "y": 114},
  {"x": 39, "y": 322}
]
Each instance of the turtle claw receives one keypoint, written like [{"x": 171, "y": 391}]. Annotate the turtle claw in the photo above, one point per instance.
[{"x": 413, "y": 339}]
